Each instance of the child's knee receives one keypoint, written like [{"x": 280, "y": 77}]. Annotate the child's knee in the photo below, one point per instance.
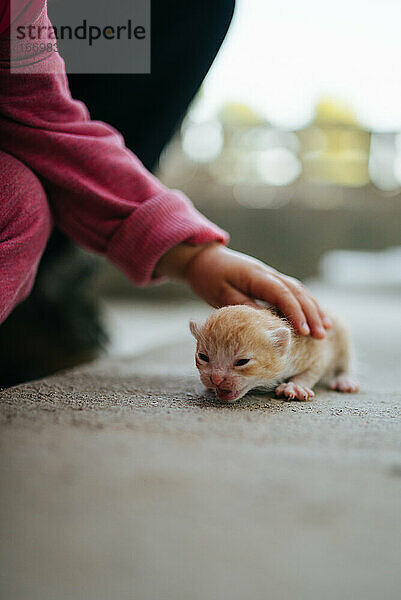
[
  {"x": 24, "y": 204},
  {"x": 25, "y": 225}
]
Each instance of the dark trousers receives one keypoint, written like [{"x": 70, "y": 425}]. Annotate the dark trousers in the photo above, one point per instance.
[
  {"x": 57, "y": 326},
  {"x": 146, "y": 109}
]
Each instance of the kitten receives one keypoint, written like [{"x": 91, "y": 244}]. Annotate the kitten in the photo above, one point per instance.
[{"x": 240, "y": 348}]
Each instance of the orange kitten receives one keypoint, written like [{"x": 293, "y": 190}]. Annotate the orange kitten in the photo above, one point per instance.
[{"x": 240, "y": 348}]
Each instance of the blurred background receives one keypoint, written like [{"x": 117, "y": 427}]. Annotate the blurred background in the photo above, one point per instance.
[{"x": 293, "y": 143}]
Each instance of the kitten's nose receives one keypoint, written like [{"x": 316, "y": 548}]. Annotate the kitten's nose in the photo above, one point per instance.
[{"x": 216, "y": 378}]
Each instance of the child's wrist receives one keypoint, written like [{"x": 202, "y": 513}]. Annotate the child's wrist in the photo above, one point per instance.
[
  {"x": 176, "y": 261},
  {"x": 201, "y": 251}
]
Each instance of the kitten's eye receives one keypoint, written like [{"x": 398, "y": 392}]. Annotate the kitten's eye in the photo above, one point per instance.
[
  {"x": 241, "y": 362},
  {"x": 203, "y": 357}
]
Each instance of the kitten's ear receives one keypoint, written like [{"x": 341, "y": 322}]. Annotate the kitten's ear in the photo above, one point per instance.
[
  {"x": 194, "y": 328},
  {"x": 281, "y": 338}
]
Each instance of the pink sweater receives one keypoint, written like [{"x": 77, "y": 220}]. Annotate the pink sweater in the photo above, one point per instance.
[{"x": 99, "y": 193}]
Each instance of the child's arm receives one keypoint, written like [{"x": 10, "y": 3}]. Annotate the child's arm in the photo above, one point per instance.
[
  {"x": 100, "y": 194},
  {"x": 221, "y": 276}
]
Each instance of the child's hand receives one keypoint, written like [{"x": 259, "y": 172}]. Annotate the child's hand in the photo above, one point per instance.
[{"x": 222, "y": 276}]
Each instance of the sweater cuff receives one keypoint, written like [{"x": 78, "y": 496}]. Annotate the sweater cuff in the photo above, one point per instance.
[{"x": 153, "y": 228}]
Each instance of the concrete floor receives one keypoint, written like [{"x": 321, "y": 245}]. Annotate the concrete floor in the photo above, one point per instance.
[{"x": 123, "y": 479}]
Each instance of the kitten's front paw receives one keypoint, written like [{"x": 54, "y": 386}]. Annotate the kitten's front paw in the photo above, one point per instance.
[
  {"x": 345, "y": 383},
  {"x": 293, "y": 391}
]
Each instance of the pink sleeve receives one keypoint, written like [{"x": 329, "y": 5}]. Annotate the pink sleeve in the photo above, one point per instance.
[{"x": 100, "y": 194}]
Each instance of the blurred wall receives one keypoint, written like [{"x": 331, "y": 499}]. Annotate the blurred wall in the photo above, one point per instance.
[{"x": 292, "y": 238}]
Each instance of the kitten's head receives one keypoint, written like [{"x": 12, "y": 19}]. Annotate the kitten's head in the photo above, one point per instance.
[{"x": 239, "y": 348}]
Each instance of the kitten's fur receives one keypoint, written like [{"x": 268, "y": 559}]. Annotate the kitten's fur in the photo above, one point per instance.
[{"x": 280, "y": 358}]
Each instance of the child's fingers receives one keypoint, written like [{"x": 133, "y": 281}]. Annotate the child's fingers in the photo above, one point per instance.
[
  {"x": 321, "y": 319},
  {"x": 327, "y": 324},
  {"x": 270, "y": 288},
  {"x": 314, "y": 315}
]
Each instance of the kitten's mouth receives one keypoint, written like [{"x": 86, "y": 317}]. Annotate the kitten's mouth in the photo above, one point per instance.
[{"x": 227, "y": 395}]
